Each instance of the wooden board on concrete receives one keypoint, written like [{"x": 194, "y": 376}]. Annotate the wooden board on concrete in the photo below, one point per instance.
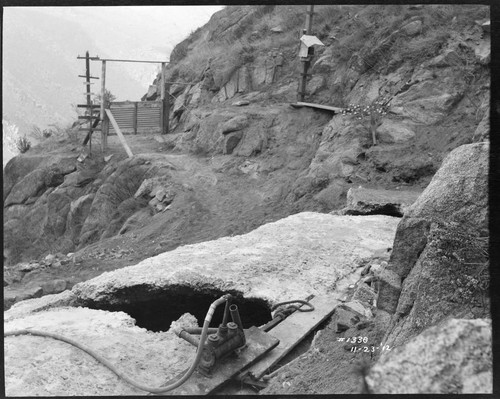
[
  {"x": 293, "y": 330},
  {"x": 258, "y": 344},
  {"x": 317, "y": 106}
]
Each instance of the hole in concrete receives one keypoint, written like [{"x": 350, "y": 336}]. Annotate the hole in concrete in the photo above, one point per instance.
[
  {"x": 155, "y": 309},
  {"x": 386, "y": 209}
]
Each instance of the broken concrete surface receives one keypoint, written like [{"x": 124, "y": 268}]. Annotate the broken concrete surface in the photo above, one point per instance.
[
  {"x": 447, "y": 358},
  {"x": 288, "y": 259},
  {"x": 39, "y": 366}
]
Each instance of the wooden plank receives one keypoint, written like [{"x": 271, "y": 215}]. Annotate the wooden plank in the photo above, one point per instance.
[
  {"x": 319, "y": 106},
  {"x": 90, "y": 77},
  {"x": 258, "y": 344},
  {"x": 142, "y": 61},
  {"x": 293, "y": 330},
  {"x": 94, "y": 106},
  {"x": 119, "y": 133}
]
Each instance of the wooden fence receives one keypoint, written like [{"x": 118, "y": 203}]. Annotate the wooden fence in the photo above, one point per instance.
[{"x": 137, "y": 117}]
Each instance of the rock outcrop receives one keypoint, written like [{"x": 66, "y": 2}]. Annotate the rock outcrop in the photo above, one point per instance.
[
  {"x": 439, "y": 264},
  {"x": 454, "y": 357},
  {"x": 363, "y": 201}
]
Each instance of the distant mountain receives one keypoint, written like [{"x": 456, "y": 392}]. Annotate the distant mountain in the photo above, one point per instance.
[{"x": 40, "y": 47}]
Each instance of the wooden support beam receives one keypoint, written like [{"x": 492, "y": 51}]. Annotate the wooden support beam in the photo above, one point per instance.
[
  {"x": 119, "y": 133},
  {"x": 87, "y": 137},
  {"x": 141, "y": 61},
  {"x": 90, "y": 77},
  {"x": 318, "y": 106},
  {"x": 305, "y": 64},
  {"x": 165, "y": 104},
  {"x": 166, "y": 110},
  {"x": 89, "y": 100},
  {"x": 94, "y": 106},
  {"x": 134, "y": 121},
  {"x": 293, "y": 330},
  {"x": 103, "y": 100}
]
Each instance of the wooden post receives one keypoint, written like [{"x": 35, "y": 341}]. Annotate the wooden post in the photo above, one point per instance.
[
  {"x": 134, "y": 121},
  {"x": 305, "y": 63},
  {"x": 119, "y": 133},
  {"x": 165, "y": 110},
  {"x": 89, "y": 100},
  {"x": 102, "y": 114}
]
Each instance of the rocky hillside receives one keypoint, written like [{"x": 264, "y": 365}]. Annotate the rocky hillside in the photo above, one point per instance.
[
  {"x": 434, "y": 83},
  {"x": 394, "y": 185},
  {"x": 422, "y": 309}
]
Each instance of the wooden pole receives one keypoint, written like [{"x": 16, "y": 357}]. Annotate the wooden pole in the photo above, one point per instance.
[
  {"x": 103, "y": 100},
  {"x": 305, "y": 63},
  {"x": 309, "y": 19},
  {"x": 166, "y": 109},
  {"x": 164, "y": 101},
  {"x": 136, "y": 106},
  {"x": 89, "y": 100},
  {"x": 119, "y": 133}
]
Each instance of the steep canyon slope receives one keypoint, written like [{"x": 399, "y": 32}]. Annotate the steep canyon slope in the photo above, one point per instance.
[{"x": 238, "y": 156}]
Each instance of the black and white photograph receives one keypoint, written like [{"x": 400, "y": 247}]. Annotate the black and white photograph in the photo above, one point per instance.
[{"x": 247, "y": 199}]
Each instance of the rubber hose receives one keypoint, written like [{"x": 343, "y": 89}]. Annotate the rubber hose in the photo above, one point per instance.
[
  {"x": 311, "y": 307},
  {"x": 106, "y": 363}
]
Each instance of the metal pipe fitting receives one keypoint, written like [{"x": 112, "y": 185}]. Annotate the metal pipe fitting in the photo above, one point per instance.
[
  {"x": 213, "y": 340},
  {"x": 222, "y": 331},
  {"x": 197, "y": 330},
  {"x": 226, "y": 311},
  {"x": 188, "y": 337},
  {"x": 232, "y": 328},
  {"x": 235, "y": 315}
]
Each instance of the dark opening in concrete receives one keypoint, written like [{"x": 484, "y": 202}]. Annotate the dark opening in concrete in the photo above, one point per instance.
[
  {"x": 386, "y": 209},
  {"x": 155, "y": 309}
]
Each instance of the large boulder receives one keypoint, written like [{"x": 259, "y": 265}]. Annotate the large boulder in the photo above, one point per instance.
[
  {"x": 394, "y": 132},
  {"x": 438, "y": 267},
  {"x": 119, "y": 186},
  {"x": 453, "y": 357},
  {"x": 27, "y": 177},
  {"x": 30, "y": 186}
]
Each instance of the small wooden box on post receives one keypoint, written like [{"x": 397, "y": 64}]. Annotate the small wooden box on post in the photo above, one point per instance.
[{"x": 306, "y": 52}]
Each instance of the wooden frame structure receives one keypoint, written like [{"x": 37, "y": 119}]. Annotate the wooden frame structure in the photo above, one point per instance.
[{"x": 141, "y": 112}]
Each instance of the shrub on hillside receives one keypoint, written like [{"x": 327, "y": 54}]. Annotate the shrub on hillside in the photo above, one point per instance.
[
  {"x": 36, "y": 132},
  {"x": 23, "y": 144}
]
